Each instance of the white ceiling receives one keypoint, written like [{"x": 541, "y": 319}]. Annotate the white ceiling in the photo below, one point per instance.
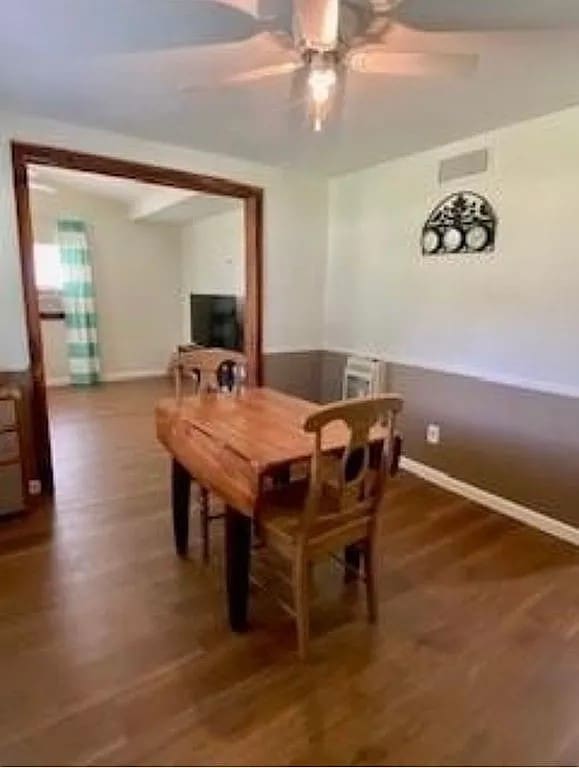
[
  {"x": 145, "y": 202},
  {"x": 123, "y": 64},
  {"x": 122, "y": 190},
  {"x": 195, "y": 208}
]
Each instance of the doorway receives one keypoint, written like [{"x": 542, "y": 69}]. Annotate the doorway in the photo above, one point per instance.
[{"x": 27, "y": 158}]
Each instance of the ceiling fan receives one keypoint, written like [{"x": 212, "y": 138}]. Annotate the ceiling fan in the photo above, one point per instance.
[
  {"x": 318, "y": 42},
  {"x": 333, "y": 37}
]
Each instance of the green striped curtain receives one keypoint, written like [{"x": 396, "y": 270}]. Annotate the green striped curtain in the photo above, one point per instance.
[{"x": 79, "y": 302}]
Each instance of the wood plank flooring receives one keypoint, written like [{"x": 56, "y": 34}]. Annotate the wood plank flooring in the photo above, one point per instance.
[{"x": 113, "y": 651}]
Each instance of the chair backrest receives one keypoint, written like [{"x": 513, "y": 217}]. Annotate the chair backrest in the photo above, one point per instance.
[
  {"x": 211, "y": 369},
  {"x": 353, "y": 483}
]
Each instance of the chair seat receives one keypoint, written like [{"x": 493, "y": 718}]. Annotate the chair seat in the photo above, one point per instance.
[{"x": 279, "y": 522}]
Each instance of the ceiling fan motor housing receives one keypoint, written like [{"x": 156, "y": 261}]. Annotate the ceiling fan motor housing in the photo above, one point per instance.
[
  {"x": 359, "y": 21},
  {"x": 316, "y": 59}
]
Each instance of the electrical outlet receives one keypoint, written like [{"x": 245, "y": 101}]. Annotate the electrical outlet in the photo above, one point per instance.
[
  {"x": 433, "y": 434},
  {"x": 34, "y": 487}
]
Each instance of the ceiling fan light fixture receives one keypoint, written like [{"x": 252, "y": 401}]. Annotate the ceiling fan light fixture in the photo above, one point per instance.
[{"x": 321, "y": 84}]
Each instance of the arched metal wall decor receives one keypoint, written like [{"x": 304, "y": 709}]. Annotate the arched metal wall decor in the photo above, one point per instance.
[{"x": 463, "y": 222}]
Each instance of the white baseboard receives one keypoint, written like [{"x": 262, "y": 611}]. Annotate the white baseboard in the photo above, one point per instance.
[
  {"x": 129, "y": 375},
  {"x": 58, "y": 381},
  {"x": 64, "y": 381},
  {"x": 496, "y": 503}
]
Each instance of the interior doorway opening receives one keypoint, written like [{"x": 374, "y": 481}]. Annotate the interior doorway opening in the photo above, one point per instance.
[{"x": 90, "y": 215}]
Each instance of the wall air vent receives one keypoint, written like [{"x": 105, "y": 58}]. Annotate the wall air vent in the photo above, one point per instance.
[{"x": 459, "y": 166}]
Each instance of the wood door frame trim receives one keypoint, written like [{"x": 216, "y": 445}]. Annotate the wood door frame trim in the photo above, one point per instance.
[{"x": 24, "y": 154}]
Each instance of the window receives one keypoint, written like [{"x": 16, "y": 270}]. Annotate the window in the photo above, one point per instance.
[
  {"x": 47, "y": 267},
  {"x": 48, "y": 274}
]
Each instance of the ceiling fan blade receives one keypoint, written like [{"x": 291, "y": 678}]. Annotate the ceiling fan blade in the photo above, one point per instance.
[
  {"x": 248, "y": 76},
  {"x": 488, "y": 15},
  {"x": 278, "y": 13},
  {"x": 317, "y": 23},
  {"x": 376, "y": 60},
  {"x": 261, "y": 73}
]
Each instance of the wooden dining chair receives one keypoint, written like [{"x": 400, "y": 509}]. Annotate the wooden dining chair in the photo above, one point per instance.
[
  {"x": 339, "y": 506},
  {"x": 209, "y": 370}
]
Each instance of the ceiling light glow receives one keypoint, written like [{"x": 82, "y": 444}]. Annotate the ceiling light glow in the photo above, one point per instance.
[{"x": 321, "y": 84}]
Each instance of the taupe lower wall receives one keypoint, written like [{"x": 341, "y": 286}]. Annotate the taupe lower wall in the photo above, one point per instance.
[
  {"x": 519, "y": 444},
  {"x": 297, "y": 373}
]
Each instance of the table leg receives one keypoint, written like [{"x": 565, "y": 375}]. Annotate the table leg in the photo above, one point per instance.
[
  {"x": 237, "y": 549},
  {"x": 181, "y": 496},
  {"x": 352, "y": 557}
]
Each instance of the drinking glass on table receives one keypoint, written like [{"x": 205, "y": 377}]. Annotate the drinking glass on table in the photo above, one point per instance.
[{"x": 240, "y": 377}]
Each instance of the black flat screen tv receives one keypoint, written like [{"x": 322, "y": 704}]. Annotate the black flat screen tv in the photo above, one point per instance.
[{"x": 216, "y": 321}]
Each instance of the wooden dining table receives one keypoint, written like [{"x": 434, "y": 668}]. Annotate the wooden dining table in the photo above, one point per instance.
[{"x": 231, "y": 444}]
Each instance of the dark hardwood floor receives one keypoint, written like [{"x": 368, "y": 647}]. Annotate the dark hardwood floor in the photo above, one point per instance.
[{"x": 113, "y": 651}]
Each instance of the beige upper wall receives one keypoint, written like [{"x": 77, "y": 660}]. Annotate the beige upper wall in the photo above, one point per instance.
[
  {"x": 511, "y": 316},
  {"x": 295, "y": 230},
  {"x": 137, "y": 277}
]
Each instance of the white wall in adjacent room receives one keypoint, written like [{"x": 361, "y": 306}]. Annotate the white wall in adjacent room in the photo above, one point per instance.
[
  {"x": 55, "y": 351},
  {"x": 137, "y": 274},
  {"x": 213, "y": 258},
  {"x": 295, "y": 230},
  {"x": 508, "y": 316}
]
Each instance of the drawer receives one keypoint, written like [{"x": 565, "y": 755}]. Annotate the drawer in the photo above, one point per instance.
[
  {"x": 9, "y": 446},
  {"x": 7, "y": 413},
  {"x": 11, "y": 497}
]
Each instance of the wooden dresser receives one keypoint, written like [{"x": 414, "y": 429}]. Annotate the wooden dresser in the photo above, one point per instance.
[{"x": 12, "y": 476}]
